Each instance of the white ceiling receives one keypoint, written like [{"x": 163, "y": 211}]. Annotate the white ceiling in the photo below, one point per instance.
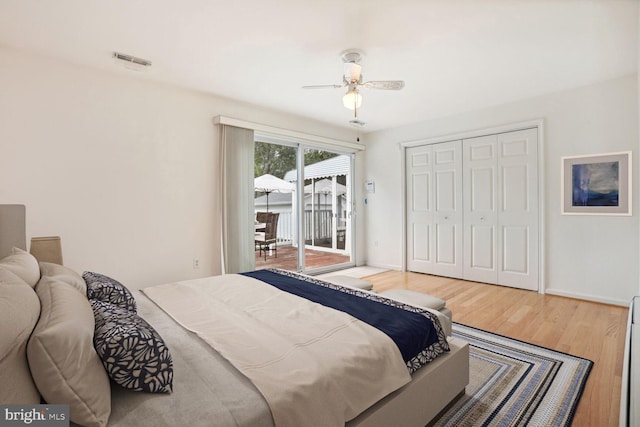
[{"x": 454, "y": 55}]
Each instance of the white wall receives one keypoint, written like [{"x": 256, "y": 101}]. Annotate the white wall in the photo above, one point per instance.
[
  {"x": 586, "y": 256},
  {"x": 119, "y": 167}
]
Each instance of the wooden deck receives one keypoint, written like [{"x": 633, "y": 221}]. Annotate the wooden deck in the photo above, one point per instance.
[{"x": 287, "y": 259}]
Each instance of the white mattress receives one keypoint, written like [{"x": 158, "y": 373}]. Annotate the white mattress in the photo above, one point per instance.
[{"x": 207, "y": 388}]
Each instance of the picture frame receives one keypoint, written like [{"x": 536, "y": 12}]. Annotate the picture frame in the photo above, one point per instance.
[{"x": 598, "y": 184}]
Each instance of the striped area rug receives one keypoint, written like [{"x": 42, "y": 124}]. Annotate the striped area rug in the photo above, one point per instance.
[{"x": 513, "y": 383}]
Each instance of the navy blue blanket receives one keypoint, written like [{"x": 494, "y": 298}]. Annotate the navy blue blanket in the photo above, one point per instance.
[{"x": 412, "y": 332}]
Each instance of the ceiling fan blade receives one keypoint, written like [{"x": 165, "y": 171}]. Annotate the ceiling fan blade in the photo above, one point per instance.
[
  {"x": 323, "y": 87},
  {"x": 385, "y": 84}
]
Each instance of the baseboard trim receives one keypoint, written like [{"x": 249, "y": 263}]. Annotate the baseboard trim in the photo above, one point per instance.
[{"x": 587, "y": 297}]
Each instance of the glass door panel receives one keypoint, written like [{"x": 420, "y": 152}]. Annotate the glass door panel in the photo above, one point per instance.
[
  {"x": 327, "y": 209},
  {"x": 275, "y": 236}
]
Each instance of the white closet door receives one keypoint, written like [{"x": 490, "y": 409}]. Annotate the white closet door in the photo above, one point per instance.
[
  {"x": 518, "y": 210},
  {"x": 434, "y": 209},
  {"x": 480, "y": 209},
  {"x": 419, "y": 177},
  {"x": 447, "y": 218},
  {"x": 501, "y": 209}
]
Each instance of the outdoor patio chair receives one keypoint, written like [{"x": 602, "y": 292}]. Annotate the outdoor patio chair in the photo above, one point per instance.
[{"x": 269, "y": 237}]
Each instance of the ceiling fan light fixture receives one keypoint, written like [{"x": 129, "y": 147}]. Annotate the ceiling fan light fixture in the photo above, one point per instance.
[
  {"x": 352, "y": 72},
  {"x": 352, "y": 99}
]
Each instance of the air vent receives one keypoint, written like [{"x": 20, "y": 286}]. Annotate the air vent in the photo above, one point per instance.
[{"x": 132, "y": 62}]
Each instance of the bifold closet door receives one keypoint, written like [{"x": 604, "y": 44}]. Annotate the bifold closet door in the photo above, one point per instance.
[
  {"x": 434, "y": 209},
  {"x": 518, "y": 220},
  {"x": 480, "y": 180},
  {"x": 501, "y": 209}
]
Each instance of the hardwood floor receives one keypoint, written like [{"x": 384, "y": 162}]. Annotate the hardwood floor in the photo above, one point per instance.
[{"x": 581, "y": 328}]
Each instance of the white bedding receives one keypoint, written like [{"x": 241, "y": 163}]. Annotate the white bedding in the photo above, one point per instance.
[{"x": 303, "y": 357}]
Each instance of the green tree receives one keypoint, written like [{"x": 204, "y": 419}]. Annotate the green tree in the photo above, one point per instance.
[
  {"x": 315, "y": 156},
  {"x": 273, "y": 159},
  {"x": 277, "y": 160}
]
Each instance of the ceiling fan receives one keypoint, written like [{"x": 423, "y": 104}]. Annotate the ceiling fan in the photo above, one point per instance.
[{"x": 352, "y": 80}]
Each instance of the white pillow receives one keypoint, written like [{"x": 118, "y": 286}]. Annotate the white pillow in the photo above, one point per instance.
[
  {"x": 63, "y": 274},
  {"x": 63, "y": 361},
  {"x": 19, "y": 312},
  {"x": 22, "y": 264}
]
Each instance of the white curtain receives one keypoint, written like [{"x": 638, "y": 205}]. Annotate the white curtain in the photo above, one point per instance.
[{"x": 236, "y": 178}]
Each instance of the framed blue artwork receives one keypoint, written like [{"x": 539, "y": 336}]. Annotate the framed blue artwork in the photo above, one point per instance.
[{"x": 597, "y": 184}]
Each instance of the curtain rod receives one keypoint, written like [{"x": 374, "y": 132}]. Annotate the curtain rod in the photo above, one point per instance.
[{"x": 223, "y": 120}]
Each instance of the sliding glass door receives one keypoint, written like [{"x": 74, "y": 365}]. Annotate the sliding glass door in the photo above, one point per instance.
[
  {"x": 274, "y": 207},
  {"x": 327, "y": 209},
  {"x": 310, "y": 193}
]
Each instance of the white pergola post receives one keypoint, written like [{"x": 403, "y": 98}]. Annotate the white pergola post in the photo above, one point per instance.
[{"x": 334, "y": 209}]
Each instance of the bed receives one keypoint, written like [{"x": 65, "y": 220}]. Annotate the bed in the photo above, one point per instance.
[{"x": 208, "y": 389}]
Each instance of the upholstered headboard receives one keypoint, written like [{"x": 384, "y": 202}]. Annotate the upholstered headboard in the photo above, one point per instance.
[{"x": 12, "y": 228}]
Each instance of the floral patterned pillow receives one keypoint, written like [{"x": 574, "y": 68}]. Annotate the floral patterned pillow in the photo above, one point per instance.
[
  {"x": 106, "y": 289},
  {"x": 132, "y": 352}
]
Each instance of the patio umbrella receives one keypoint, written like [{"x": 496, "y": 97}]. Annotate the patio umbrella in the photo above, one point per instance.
[{"x": 268, "y": 183}]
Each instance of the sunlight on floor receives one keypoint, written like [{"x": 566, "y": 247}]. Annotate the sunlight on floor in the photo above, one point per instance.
[{"x": 358, "y": 272}]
